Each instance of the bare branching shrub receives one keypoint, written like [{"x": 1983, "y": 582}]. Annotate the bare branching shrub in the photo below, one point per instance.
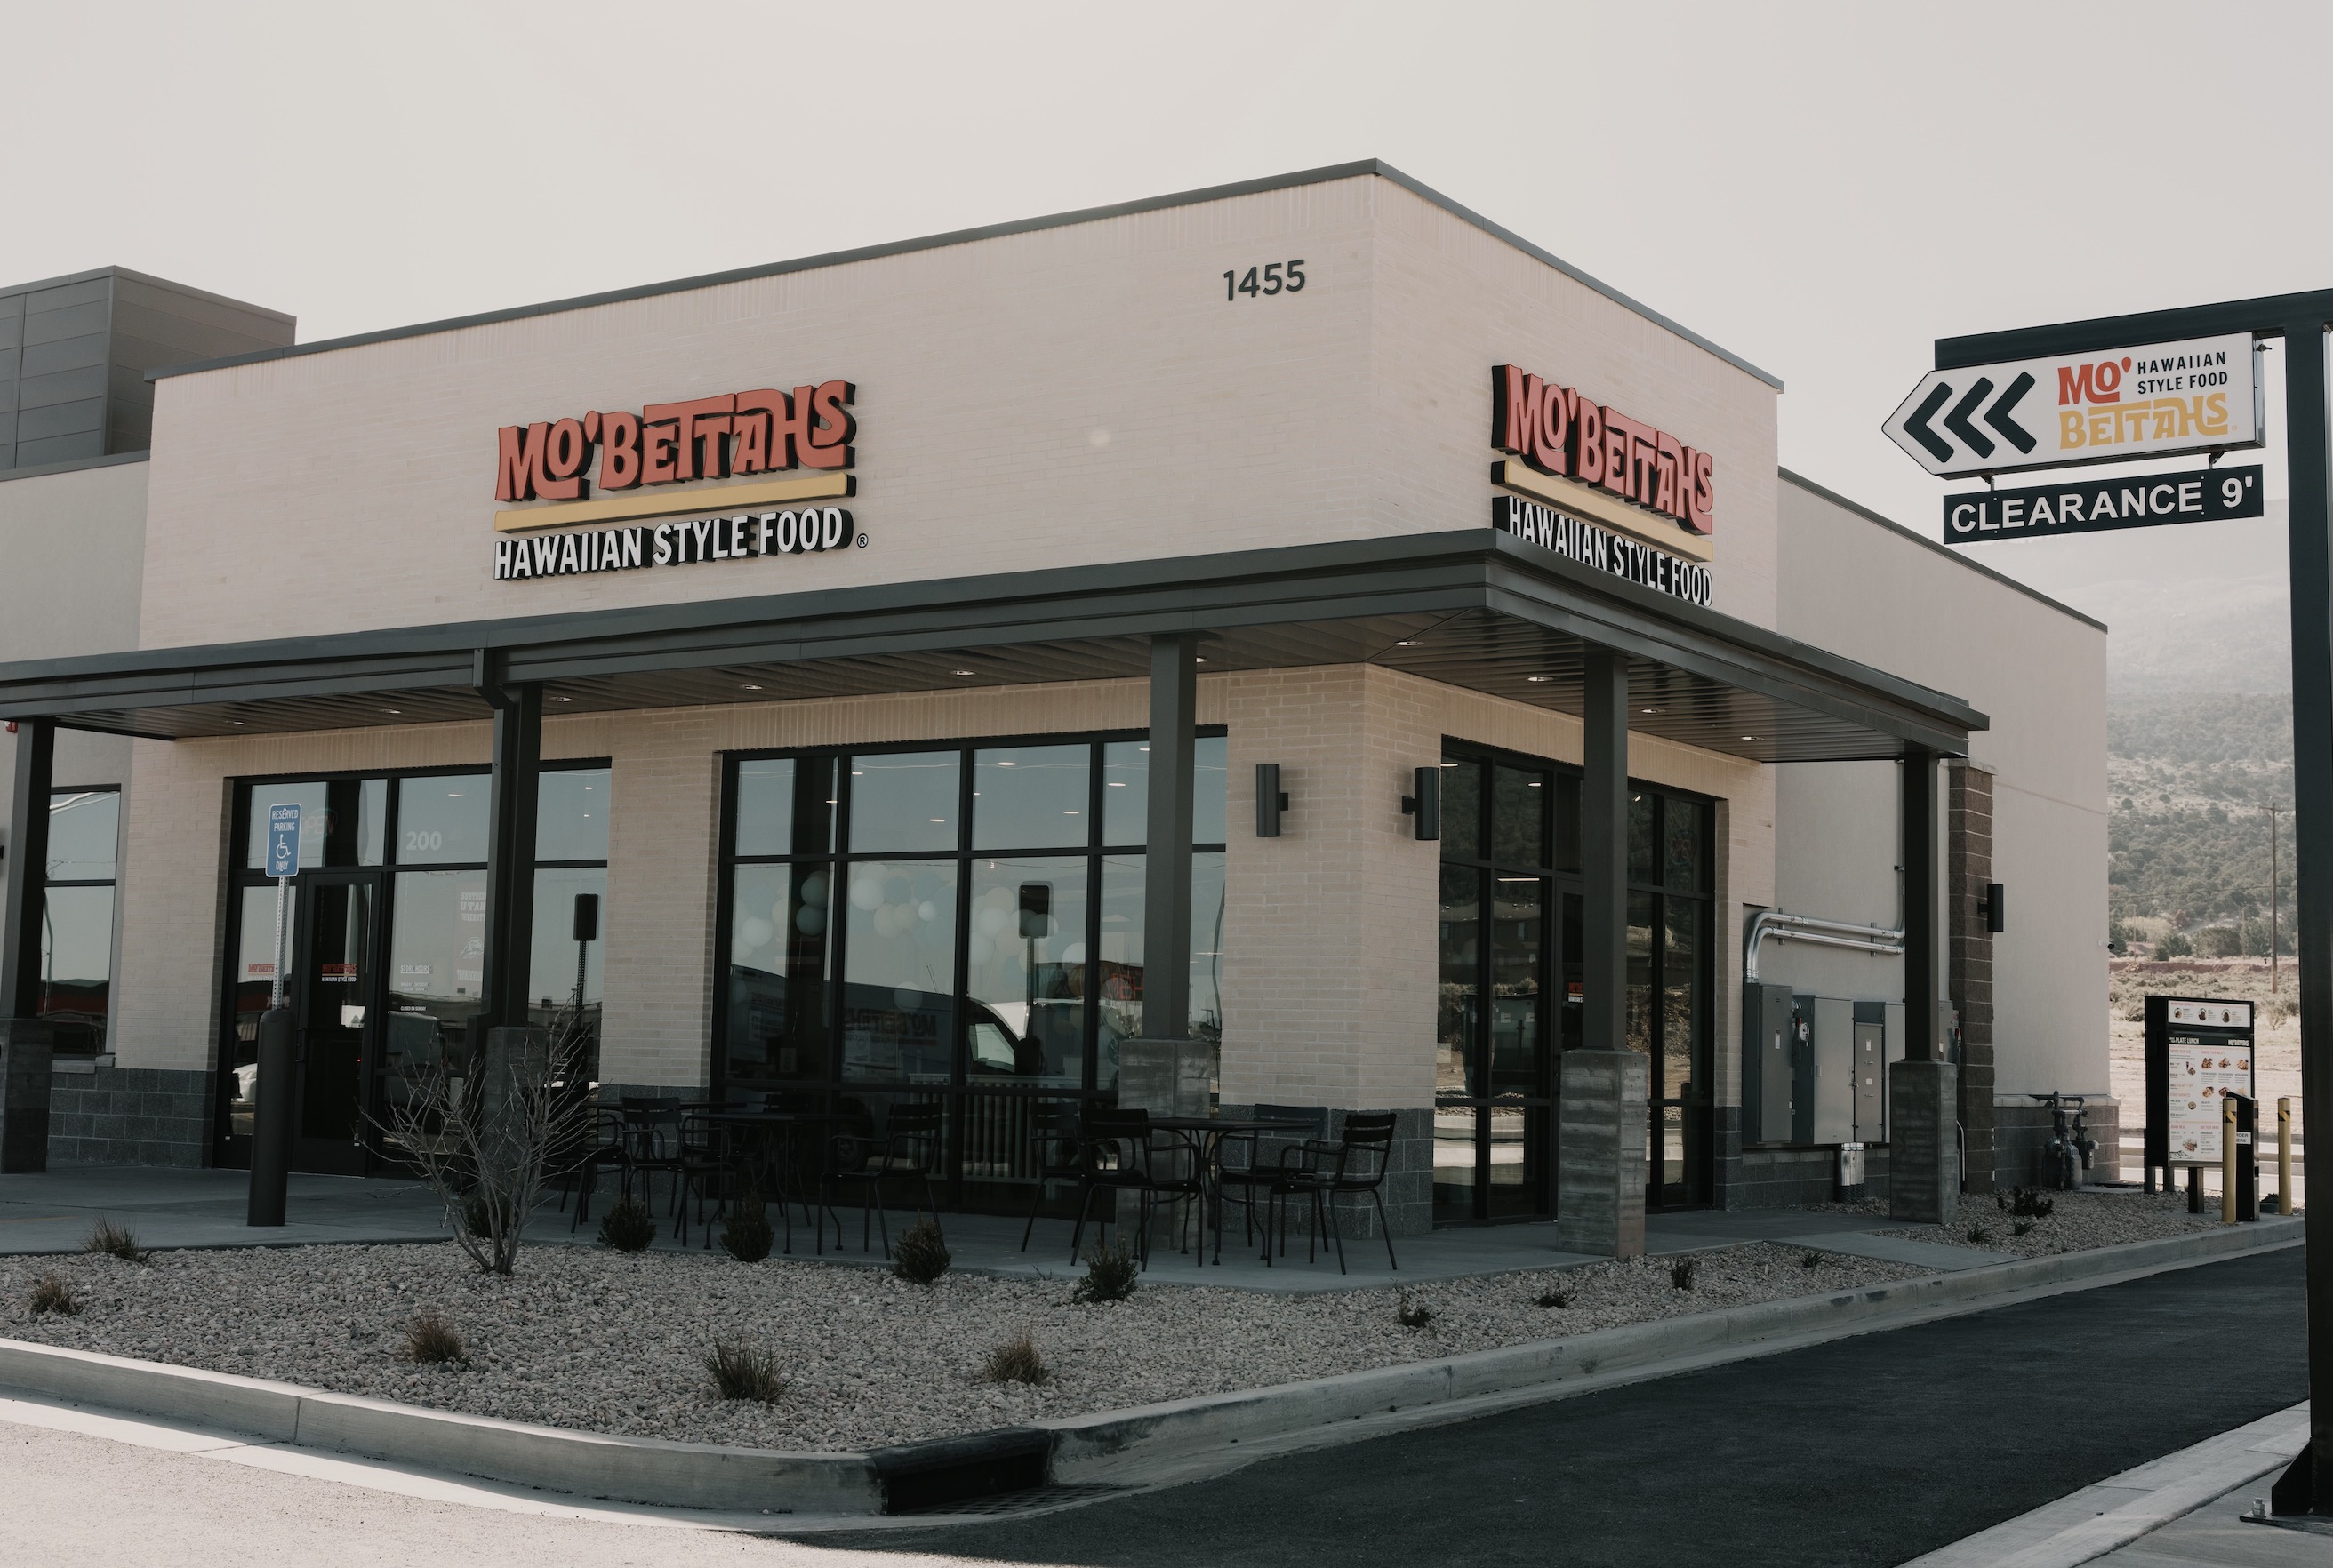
[
  {"x": 489, "y": 1129},
  {"x": 1016, "y": 1360},
  {"x": 115, "y": 1241},
  {"x": 1110, "y": 1274},
  {"x": 432, "y": 1340},
  {"x": 920, "y": 1254},
  {"x": 1978, "y": 1235},
  {"x": 745, "y": 1235},
  {"x": 1682, "y": 1271},
  {"x": 628, "y": 1225},
  {"x": 53, "y": 1296},
  {"x": 1554, "y": 1299},
  {"x": 739, "y": 1372}
]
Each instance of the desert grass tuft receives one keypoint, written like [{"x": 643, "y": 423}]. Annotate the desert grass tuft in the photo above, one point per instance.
[
  {"x": 1016, "y": 1360},
  {"x": 1554, "y": 1299},
  {"x": 53, "y": 1296},
  {"x": 1413, "y": 1313},
  {"x": 1682, "y": 1271},
  {"x": 115, "y": 1241},
  {"x": 745, "y": 1235},
  {"x": 739, "y": 1372},
  {"x": 432, "y": 1340}
]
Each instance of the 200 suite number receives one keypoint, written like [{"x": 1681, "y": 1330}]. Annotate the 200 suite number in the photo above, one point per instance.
[{"x": 1270, "y": 278}]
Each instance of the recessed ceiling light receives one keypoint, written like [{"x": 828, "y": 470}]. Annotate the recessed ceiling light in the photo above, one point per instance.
[
  {"x": 960, "y": 672},
  {"x": 392, "y": 709},
  {"x": 1201, "y": 660},
  {"x": 1749, "y": 737},
  {"x": 1406, "y": 643},
  {"x": 750, "y": 686},
  {"x": 939, "y": 819},
  {"x": 562, "y": 699},
  {"x": 1652, "y": 710},
  {"x": 1535, "y": 679}
]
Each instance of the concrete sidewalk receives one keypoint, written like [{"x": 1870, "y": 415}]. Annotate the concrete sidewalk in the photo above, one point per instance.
[{"x": 54, "y": 1211}]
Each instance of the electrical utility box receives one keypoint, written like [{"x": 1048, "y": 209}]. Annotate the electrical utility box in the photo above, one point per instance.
[
  {"x": 1833, "y": 1020},
  {"x": 1772, "y": 1053},
  {"x": 1871, "y": 1072}
]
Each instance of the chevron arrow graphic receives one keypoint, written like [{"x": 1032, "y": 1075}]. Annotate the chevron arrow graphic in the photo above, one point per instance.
[
  {"x": 1918, "y": 428},
  {"x": 1957, "y": 421},
  {"x": 1998, "y": 414}
]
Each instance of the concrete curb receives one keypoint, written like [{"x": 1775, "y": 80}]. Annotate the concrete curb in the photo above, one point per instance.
[{"x": 1103, "y": 1447}]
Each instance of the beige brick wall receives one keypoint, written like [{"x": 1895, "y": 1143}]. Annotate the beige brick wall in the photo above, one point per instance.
[{"x": 1329, "y": 931}]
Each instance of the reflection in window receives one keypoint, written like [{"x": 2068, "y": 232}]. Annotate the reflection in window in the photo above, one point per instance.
[
  {"x": 1025, "y": 971},
  {"x": 443, "y": 820},
  {"x": 1031, "y": 797},
  {"x": 572, "y": 814},
  {"x": 77, "y": 919},
  {"x": 898, "y": 975},
  {"x": 903, "y": 800}
]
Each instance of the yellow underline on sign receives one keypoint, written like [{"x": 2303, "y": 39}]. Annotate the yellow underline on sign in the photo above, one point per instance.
[
  {"x": 704, "y": 500},
  {"x": 1585, "y": 500}
]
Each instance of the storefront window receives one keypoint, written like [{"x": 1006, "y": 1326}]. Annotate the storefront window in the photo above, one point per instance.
[
  {"x": 77, "y": 919},
  {"x": 985, "y": 922}
]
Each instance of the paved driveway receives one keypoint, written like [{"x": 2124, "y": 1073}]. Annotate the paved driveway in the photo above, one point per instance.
[{"x": 1864, "y": 1451}]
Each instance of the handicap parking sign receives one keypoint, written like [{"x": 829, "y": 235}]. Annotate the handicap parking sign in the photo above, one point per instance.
[{"x": 284, "y": 840}]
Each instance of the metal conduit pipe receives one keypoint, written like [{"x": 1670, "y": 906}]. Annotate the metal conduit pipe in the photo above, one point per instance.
[{"x": 1785, "y": 927}]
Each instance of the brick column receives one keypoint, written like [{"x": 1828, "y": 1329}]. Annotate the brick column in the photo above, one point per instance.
[{"x": 1968, "y": 867}]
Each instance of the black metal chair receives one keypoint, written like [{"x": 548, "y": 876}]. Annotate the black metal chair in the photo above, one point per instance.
[
  {"x": 600, "y": 1145},
  {"x": 1125, "y": 1154},
  {"x": 1356, "y": 1164},
  {"x": 1255, "y": 1181},
  {"x": 702, "y": 1163},
  {"x": 1059, "y": 1142},
  {"x": 908, "y": 1150},
  {"x": 651, "y": 1141}
]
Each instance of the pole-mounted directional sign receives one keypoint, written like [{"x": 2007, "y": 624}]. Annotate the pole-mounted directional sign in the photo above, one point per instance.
[{"x": 2202, "y": 394}]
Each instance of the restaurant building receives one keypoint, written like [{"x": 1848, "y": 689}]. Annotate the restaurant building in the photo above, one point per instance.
[{"x": 1293, "y": 643}]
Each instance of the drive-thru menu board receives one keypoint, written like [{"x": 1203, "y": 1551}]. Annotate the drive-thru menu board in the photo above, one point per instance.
[{"x": 2198, "y": 1052}]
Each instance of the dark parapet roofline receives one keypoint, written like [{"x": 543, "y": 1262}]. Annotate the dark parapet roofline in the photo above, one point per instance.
[
  {"x": 1864, "y": 512},
  {"x": 72, "y": 463},
  {"x": 1376, "y": 167}
]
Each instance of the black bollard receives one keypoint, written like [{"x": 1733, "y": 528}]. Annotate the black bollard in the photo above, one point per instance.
[{"x": 270, "y": 1133}]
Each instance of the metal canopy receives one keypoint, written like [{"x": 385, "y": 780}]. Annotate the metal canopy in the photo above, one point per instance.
[{"x": 1475, "y": 608}]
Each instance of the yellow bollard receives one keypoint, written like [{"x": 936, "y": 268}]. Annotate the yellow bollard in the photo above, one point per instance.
[
  {"x": 2227, "y": 1162},
  {"x": 2284, "y": 1203}
]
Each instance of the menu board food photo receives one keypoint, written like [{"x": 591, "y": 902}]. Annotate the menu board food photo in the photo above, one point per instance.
[{"x": 2199, "y": 1052}]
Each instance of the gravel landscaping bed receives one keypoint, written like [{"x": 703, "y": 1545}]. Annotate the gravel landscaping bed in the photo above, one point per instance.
[
  {"x": 605, "y": 1342},
  {"x": 2077, "y": 1221}
]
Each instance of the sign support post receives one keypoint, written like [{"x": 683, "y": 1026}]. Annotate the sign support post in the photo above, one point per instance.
[
  {"x": 271, "y": 1130},
  {"x": 2301, "y": 320}
]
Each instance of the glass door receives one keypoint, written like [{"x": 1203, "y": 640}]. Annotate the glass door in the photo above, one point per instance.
[{"x": 336, "y": 1011}]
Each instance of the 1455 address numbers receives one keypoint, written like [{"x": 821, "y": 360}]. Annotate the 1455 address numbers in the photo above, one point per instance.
[{"x": 1272, "y": 278}]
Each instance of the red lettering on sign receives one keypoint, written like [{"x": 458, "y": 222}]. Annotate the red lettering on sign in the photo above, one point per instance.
[
  {"x": 738, "y": 433},
  {"x": 1555, "y": 430}
]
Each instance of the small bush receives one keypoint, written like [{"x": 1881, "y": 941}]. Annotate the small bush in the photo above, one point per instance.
[
  {"x": 1413, "y": 1313},
  {"x": 1110, "y": 1274},
  {"x": 2022, "y": 1228},
  {"x": 2025, "y": 1203},
  {"x": 1554, "y": 1299},
  {"x": 739, "y": 1372},
  {"x": 432, "y": 1340},
  {"x": 1016, "y": 1360},
  {"x": 1682, "y": 1271},
  {"x": 1811, "y": 1260},
  {"x": 745, "y": 1234},
  {"x": 115, "y": 1241},
  {"x": 628, "y": 1225},
  {"x": 477, "y": 1216},
  {"x": 920, "y": 1254},
  {"x": 1979, "y": 1235},
  {"x": 51, "y": 1295}
]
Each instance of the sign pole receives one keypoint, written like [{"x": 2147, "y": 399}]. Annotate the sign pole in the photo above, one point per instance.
[
  {"x": 277, "y": 1057},
  {"x": 2312, "y": 832},
  {"x": 275, "y": 991}
]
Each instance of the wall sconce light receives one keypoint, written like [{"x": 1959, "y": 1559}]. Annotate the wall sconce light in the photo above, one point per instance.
[
  {"x": 1426, "y": 804},
  {"x": 1994, "y": 907},
  {"x": 1269, "y": 800}
]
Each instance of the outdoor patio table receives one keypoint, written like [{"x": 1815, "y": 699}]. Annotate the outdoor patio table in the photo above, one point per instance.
[
  {"x": 775, "y": 1131},
  {"x": 1207, "y": 1134}
]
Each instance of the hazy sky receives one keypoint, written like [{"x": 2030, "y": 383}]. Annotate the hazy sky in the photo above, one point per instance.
[{"x": 1823, "y": 190}]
